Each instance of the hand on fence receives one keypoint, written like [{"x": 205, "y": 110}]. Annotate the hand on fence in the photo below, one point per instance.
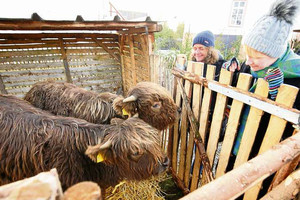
[{"x": 232, "y": 65}]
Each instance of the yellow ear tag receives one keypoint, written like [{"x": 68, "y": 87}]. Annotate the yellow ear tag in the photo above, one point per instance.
[
  {"x": 124, "y": 112},
  {"x": 100, "y": 158}
]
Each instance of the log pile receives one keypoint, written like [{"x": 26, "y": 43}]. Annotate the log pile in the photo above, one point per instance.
[{"x": 46, "y": 186}]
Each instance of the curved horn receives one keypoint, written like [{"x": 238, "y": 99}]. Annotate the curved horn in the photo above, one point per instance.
[
  {"x": 106, "y": 145},
  {"x": 129, "y": 99}
]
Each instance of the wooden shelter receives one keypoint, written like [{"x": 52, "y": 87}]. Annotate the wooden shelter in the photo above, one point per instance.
[{"x": 97, "y": 55}]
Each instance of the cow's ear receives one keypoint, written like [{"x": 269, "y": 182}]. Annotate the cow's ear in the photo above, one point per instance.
[{"x": 98, "y": 152}]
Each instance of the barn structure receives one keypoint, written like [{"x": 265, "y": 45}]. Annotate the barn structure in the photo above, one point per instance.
[{"x": 98, "y": 55}]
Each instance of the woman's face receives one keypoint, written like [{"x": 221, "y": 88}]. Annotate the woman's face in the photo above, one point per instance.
[
  {"x": 200, "y": 52},
  {"x": 259, "y": 61}
]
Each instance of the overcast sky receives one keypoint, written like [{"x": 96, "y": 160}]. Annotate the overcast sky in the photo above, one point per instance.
[{"x": 188, "y": 11}]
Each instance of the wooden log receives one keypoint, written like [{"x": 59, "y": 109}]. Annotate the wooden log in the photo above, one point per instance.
[
  {"x": 251, "y": 126},
  {"x": 45, "y": 185},
  {"x": 286, "y": 95},
  {"x": 232, "y": 125},
  {"x": 218, "y": 115},
  {"x": 83, "y": 191},
  {"x": 286, "y": 190},
  {"x": 236, "y": 182},
  {"x": 284, "y": 171},
  {"x": 210, "y": 74}
]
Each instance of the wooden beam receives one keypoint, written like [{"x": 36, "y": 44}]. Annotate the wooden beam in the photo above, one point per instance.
[
  {"x": 25, "y": 24},
  {"x": 106, "y": 49},
  {"x": 56, "y": 35},
  {"x": 145, "y": 29},
  {"x": 65, "y": 60},
  {"x": 52, "y": 40}
]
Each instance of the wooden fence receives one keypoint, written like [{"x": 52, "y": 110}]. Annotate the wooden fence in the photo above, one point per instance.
[{"x": 198, "y": 149}]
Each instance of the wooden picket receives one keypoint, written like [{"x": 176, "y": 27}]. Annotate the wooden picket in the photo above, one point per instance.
[{"x": 186, "y": 168}]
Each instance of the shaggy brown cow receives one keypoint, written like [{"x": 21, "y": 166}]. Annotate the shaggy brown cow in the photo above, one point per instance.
[
  {"x": 67, "y": 99},
  {"x": 150, "y": 101},
  {"x": 32, "y": 141}
]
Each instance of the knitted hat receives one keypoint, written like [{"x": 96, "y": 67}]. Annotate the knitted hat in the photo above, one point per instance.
[
  {"x": 270, "y": 33},
  {"x": 205, "y": 38}
]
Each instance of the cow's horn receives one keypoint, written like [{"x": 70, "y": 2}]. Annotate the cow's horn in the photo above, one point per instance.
[
  {"x": 106, "y": 145},
  {"x": 129, "y": 99}
]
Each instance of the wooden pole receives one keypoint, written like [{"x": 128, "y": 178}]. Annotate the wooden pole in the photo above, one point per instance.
[
  {"x": 65, "y": 60},
  {"x": 284, "y": 171},
  {"x": 236, "y": 182},
  {"x": 106, "y": 49},
  {"x": 199, "y": 142},
  {"x": 286, "y": 190}
]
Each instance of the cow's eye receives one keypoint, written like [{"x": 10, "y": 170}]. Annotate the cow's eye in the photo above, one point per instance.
[
  {"x": 156, "y": 106},
  {"x": 136, "y": 156}
]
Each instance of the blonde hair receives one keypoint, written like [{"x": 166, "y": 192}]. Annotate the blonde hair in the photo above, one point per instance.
[
  {"x": 252, "y": 52},
  {"x": 211, "y": 58}
]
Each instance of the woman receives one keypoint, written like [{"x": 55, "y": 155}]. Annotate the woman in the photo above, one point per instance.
[{"x": 204, "y": 51}]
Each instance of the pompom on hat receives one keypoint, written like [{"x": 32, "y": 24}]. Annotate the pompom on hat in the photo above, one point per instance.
[
  {"x": 205, "y": 38},
  {"x": 270, "y": 33}
]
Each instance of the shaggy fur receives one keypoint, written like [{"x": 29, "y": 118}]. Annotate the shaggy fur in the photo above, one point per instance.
[
  {"x": 67, "y": 99},
  {"x": 32, "y": 141},
  {"x": 154, "y": 104}
]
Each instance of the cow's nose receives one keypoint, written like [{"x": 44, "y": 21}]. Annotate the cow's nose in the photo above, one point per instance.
[
  {"x": 166, "y": 162},
  {"x": 178, "y": 110}
]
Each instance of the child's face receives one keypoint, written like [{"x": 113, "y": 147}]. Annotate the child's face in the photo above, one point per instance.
[
  {"x": 260, "y": 61},
  {"x": 200, "y": 52}
]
